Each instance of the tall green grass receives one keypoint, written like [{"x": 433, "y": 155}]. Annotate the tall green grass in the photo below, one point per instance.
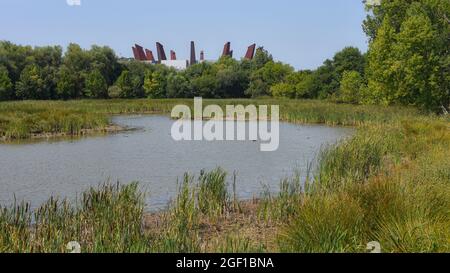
[
  {"x": 388, "y": 184},
  {"x": 105, "y": 219},
  {"x": 200, "y": 201}
]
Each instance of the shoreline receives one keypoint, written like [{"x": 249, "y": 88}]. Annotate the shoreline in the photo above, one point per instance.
[{"x": 109, "y": 129}]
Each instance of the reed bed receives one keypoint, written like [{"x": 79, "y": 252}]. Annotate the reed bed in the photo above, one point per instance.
[{"x": 103, "y": 219}]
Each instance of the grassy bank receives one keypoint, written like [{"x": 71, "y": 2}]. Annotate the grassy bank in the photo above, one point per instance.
[{"x": 390, "y": 183}]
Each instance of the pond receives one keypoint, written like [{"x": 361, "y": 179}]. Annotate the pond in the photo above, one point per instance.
[{"x": 34, "y": 171}]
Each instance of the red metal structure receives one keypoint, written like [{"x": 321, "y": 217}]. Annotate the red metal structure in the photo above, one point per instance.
[
  {"x": 149, "y": 55},
  {"x": 161, "y": 52},
  {"x": 227, "y": 49},
  {"x": 173, "y": 55},
  {"x": 135, "y": 53},
  {"x": 140, "y": 52},
  {"x": 250, "y": 52},
  {"x": 193, "y": 59}
]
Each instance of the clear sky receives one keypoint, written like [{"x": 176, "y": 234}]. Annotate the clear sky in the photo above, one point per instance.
[{"x": 300, "y": 32}]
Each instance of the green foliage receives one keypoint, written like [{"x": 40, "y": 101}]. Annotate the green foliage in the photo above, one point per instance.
[
  {"x": 125, "y": 84},
  {"x": 114, "y": 92},
  {"x": 31, "y": 84},
  {"x": 58, "y": 76},
  {"x": 296, "y": 85},
  {"x": 6, "y": 86},
  {"x": 14, "y": 58},
  {"x": 262, "y": 57},
  {"x": 283, "y": 90},
  {"x": 408, "y": 58},
  {"x": 351, "y": 86},
  {"x": 327, "y": 78},
  {"x": 178, "y": 86},
  {"x": 68, "y": 84},
  {"x": 95, "y": 85},
  {"x": 270, "y": 74},
  {"x": 231, "y": 82},
  {"x": 44, "y": 73},
  {"x": 104, "y": 60},
  {"x": 205, "y": 86},
  {"x": 155, "y": 84}
]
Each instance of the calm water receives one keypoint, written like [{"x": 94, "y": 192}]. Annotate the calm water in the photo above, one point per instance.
[{"x": 35, "y": 171}]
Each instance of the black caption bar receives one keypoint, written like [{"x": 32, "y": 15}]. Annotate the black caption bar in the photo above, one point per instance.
[{"x": 198, "y": 263}]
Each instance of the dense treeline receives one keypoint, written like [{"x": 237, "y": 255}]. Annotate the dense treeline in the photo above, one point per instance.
[
  {"x": 408, "y": 62},
  {"x": 47, "y": 73}
]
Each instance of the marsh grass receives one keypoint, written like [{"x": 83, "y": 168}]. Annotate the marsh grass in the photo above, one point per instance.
[
  {"x": 105, "y": 219},
  {"x": 388, "y": 184},
  {"x": 213, "y": 196},
  {"x": 282, "y": 206}
]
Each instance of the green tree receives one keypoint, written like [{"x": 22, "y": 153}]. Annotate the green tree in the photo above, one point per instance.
[
  {"x": 350, "y": 88},
  {"x": 296, "y": 85},
  {"x": 67, "y": 84},
  {"x": 125, "y": 85},
  {"x": 104, "y": 60},
  {"x": 303, "y": 82},
  {"x": 261, "y": 58},
  {"x": 47, "y": 56},
  {"x": 283, "y": 89},
  {"x": 327, "y": 78},
  {"x": 77, "y": 62},
  {"x": 6, "y": 86},
  {"x": 178, "y": 87},
  {"x": 262, "y": 79},
  {"x": 231, "y": 82},
  {"x": 408, "y": 60},
  {"x": 95, "y": 85},
  {"x": 155, "y": 85},
  {"x": 325, "y": 81},
  {"x": 31, "y": 85},
  {"x": 15, "y": 58},
  {"x": 349, "y": 59},
  {"x": 199, "y": 69},
  {"x": 205, "y": 86}
]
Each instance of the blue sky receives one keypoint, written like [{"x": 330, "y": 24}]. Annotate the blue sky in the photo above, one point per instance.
[{"x": 300, "y": 32}]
